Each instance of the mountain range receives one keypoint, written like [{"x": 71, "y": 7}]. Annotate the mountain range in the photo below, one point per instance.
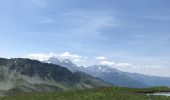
[
  {"x": 18, "y": 75},
  {"x": 114, "y": 76}
]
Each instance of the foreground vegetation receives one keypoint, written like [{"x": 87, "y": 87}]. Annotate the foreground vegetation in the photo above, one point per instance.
[{"x": 105, "y": 93}]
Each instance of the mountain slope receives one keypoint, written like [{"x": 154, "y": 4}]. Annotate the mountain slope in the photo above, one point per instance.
[
  {"x": 150, "y": 80},
  {"x": 25, "y": 75},
  {"x": 113, "y": 76},
  {"x": 120, "y": 78}
]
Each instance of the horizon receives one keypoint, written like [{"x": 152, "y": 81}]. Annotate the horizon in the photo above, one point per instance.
[
  {"x": 132, "y": 35},
  {"x": 80, "y": 60}
]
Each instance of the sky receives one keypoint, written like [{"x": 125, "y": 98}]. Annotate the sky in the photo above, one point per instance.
[{"x": 114, "y": 32}]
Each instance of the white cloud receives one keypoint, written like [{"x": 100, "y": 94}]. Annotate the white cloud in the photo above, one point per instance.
[
  {"x": 69, "y": 55},
  {"x": 123, "y": 66},
  {"x": 101, "y": 58},
  {"x": 40, "y": 56},
  {"x": 154, "y": 66},
  {"x": 113, "y": 64},
  {"x": 85, "y": 61},
  {"x": 129, "y": 67},
  {"x": 162, "y": 71},
  {"x": 107, "y": 63},
  {"x": 65, "y": 55}
]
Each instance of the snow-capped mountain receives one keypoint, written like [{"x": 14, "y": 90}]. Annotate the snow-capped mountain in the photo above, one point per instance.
[
  {"x": 100, "y": 68},
  {"x": 62, "y": 62},
  {"x": 106, "y": 73},
  {"x": 120, "y": 78},
  {"x": 112, "y": 75}
]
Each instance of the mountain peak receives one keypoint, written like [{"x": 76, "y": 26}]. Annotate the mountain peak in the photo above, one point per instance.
[
  {"x": 55, "y": 60},
  {"x": 67, "y": 63},
  {"x": 102, "y": 68}
]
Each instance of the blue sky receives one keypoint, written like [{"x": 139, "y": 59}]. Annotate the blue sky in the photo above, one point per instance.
[{"x": 133, "y": 31}]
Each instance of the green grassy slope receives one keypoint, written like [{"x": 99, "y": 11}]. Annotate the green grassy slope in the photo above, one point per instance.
[{"x": 109, "y": 93}]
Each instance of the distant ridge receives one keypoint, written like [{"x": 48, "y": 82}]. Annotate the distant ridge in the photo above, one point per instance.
[{"x": 114, "y": 76}]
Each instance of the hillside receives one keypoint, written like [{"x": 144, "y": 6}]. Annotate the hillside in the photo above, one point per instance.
[{"x": 24, "y": 75}]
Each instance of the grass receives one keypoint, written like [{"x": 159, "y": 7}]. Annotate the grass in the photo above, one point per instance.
[{"x": 105, "y": 93}]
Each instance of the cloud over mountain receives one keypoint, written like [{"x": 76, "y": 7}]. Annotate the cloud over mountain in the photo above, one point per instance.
[
  {"x": 65, "y": 55},
  {"x": 100, "y": 60}
]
